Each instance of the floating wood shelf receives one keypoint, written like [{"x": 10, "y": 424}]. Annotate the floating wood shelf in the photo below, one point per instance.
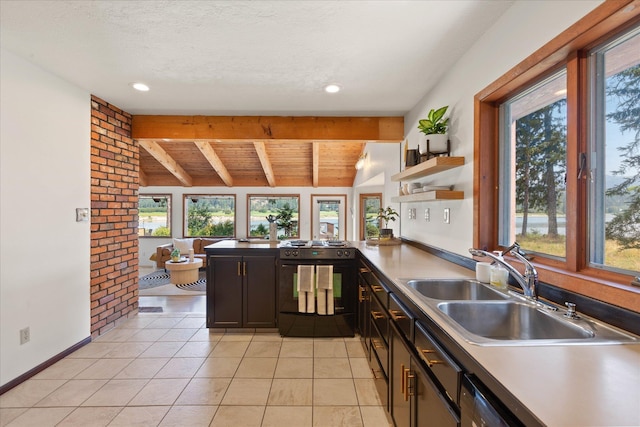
[
  {"x": 429, "y": 196},
  {"x": 430, "y": 167}
]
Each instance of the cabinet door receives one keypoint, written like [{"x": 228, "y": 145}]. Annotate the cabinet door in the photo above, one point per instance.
[
  {"x": 224, "y": 293},
  {"x": 399, "y": 372},
  {"x": 363, "y": 311},
  {"x": 259, "y": 309},
  {"x": 431, "y": 409}
]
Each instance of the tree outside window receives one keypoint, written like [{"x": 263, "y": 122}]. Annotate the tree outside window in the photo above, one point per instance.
[
  {"x": 209, "y": 215},
  {"x": 154, "y": 215},
  {"x": 284, "y": 209}
]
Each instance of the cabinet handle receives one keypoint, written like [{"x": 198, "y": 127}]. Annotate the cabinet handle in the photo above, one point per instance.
[
  {"x": 377, "y": 343},
  {"x": 364, "y": 270},
  {"x": 360, "y": 294},
  {"x": 402, "y": 377},
  {"x": 377, "y": 315},
  {"x": 430, "y": 362},
  {"x": 406, "y": 374},
  {"x": 410, "y": 392},
  {"x": 239, "y": 269},
  {"x": 377, "y": 288},
  {"x": 396, "y": 314},
  {"x": 244, "y": 268},
  {"x": 377, "y": 374}
]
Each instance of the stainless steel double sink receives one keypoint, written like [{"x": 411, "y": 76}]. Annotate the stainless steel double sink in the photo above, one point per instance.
[{"x": 486, "y": 316}]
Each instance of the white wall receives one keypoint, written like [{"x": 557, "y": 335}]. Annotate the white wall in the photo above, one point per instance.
[
  {"x": 383, "y": 161},
  {"x": 525, "y": 27},
  {"x": 44, "y": 252},
  {"x": 147, "y": 246}
]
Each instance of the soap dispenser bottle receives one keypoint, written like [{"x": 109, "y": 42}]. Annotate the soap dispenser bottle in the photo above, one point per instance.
[{"x": 499, "y": 274}]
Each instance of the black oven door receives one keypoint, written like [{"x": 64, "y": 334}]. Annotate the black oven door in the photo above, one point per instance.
[{"x": 293, "y": 323}]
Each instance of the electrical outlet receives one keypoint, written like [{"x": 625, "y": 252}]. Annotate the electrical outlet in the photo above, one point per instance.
[
  {"x": 447, "y": 216},
  {"x": 25, "y": 335},
  {"x": 427, "y": 215},
  {"x": 412, "y": 213}
]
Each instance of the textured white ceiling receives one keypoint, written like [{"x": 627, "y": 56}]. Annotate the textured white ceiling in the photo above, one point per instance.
[{"x": 249, "y": 57}]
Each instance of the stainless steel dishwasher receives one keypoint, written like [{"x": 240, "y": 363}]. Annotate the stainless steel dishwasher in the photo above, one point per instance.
[{"x": 479, "y": 409}]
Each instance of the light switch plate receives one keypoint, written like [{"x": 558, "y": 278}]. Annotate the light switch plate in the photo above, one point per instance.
[
  {"x": 447, "y": 215},
  {"x": 427, "y": 214},
  {"x": 82, "y": 214}
]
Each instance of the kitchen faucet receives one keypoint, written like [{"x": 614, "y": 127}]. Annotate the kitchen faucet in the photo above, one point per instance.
[{"x": 528, "y": 282}]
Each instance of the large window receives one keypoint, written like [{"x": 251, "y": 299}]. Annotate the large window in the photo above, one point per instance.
[
  {"x": 283, "y": 209},
  {"x": 614, "y": 155},
  {"x": 533, "y": 167},
  {"x": 154, "y": 215},
  {"x": 557, "y": 157},
  {"x": 208, "y": 215}
]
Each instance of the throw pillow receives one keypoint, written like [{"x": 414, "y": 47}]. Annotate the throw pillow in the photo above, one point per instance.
[{"x": 183, "y": 245}]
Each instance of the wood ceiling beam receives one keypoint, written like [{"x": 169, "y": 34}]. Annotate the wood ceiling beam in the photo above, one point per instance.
[
  {"x": 167, "y": 161},
  {"x": 316, "y": 162},
  {"x": 212, "y": 157},
  {"x": 265, "y": 162},
  {"x": 143, "y": 181},
  {"x": 378, "y": 129}
]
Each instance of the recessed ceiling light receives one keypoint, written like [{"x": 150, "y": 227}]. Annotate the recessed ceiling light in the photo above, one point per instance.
[
  {"x": 140, "y": 86},
  {"x": 332, "y": 88}
]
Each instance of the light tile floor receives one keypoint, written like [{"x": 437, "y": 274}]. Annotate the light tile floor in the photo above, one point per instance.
[{"x": 167, "y": 369}]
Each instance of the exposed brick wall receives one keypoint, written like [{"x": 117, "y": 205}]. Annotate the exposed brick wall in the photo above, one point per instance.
[{"x": 114, "y": 216}]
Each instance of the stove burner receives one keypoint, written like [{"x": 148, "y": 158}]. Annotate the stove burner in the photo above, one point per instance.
[{"x": 316, "y": 249}]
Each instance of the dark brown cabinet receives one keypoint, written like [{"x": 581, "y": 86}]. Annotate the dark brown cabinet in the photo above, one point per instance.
[
  {"x": 399, "y": 377},
  {"x": 241, "y": 292},
  {"x": 415, "y": 399}
]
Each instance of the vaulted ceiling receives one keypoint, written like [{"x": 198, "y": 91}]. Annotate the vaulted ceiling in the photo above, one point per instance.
[{"x": 256, "y": 151}]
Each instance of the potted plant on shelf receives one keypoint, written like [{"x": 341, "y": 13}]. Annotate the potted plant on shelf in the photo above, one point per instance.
[
  {"x": 385, "y": 215},
  {"x": 435, "y": 127}
]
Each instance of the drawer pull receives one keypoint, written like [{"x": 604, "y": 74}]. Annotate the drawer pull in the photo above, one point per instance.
[
  {"x": 377, "y": 374},
  {"x": 377, "y": 343},
  {"x": 377, "y": 288},
  {"x": 431, "y": 362},
  {"x": 396, "y": 315},
  {"x": 377, "y": 315},
  {"x": 360, "y": 294},
  {"x": 364, "y": 270}
]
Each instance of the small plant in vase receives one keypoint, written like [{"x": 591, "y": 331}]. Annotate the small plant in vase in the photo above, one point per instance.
[
  {"x": 435, "y": 126},
  {"x": 385, "y": 215}
]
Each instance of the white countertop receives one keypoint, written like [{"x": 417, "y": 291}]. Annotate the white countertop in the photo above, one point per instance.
[{"x": 563, "y": 385}]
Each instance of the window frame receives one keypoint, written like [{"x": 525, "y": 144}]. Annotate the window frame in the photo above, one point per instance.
[
  {"x": 570, "y": 49},
  {"x": 168, "y": 196},
  {"x": 185, "y": 216},
  {"x": 272, "y": 196}
]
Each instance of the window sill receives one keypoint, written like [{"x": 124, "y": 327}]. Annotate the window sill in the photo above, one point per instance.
[{"x": 602, "y": 285}]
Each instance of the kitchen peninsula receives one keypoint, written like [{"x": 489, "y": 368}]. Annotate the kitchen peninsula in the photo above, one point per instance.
[{"x": 553, "y": 385}]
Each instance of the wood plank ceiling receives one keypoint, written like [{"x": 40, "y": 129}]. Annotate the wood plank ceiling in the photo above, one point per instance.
[{"x": 256, "y": 151}]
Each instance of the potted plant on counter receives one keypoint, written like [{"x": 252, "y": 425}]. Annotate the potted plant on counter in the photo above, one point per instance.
[
  {"x": 385, "y": 215},
  {"x": 435, "y": 126}
]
